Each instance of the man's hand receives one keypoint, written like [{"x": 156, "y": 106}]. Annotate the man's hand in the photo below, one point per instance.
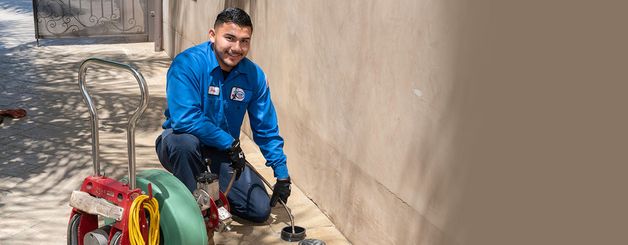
[
  {"x": 237, "y": 158},
  {"x": 281, "y": 191}
]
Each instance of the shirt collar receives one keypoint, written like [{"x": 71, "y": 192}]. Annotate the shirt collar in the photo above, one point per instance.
[{"x": 213, "y": 62}]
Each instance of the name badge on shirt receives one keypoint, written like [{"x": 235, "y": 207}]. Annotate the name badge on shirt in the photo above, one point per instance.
[
  {"x": 213, "y": 90},
  {"x": 237, "y": 94}
]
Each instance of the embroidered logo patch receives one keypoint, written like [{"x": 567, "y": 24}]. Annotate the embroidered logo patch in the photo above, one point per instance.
[
  {"x": 237, "y": 94},
  {"x": 213, "y": 90}
]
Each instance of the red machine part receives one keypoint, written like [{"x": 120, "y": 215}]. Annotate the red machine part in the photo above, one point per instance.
[
  {"x": 117, "y": 193},
  {"x": 211, "y": 218}
]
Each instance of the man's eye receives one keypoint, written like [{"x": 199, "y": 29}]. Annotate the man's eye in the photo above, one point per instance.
[
  {"x": 245, "y": 41},
  {"x": 230, "y": 38}
]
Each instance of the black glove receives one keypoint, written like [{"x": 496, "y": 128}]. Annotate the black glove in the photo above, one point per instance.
[
  {"x": 280, "y": 191},
  {"x": 237, "y": 158}
]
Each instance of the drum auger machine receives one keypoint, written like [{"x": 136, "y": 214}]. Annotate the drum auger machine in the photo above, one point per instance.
[{"x": 142, "y": 208}]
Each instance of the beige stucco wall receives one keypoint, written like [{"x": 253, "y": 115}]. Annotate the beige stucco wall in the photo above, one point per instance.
[
  {"x": 366, "y": 98},
  {"x": 446, "y": 122},
  {"x": 365, "y": 94}
]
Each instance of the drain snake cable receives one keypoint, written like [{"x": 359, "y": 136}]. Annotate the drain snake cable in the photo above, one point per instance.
[{"x": 150, "y": 204}]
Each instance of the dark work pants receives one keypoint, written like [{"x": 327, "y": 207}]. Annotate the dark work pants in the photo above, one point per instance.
[{"x": 183, "y": 154}]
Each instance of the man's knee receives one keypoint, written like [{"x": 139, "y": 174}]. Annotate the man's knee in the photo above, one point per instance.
[
  {"x": 182, "y": 144},
  {"x": 259, "y": 214},
  {"x": 259, "y": 203}
]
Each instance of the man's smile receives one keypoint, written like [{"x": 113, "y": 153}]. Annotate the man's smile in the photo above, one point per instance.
[{"x": 234, "y": 55}]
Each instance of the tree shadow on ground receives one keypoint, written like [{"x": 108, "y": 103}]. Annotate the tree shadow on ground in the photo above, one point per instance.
[
  {"x": 56, "y": 112},
  {"x": 47, "y": 154},
  {"x": 19, "y": 6}
]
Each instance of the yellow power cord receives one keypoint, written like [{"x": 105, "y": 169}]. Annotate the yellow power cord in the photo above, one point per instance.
[{"x": 135, "y": 236}]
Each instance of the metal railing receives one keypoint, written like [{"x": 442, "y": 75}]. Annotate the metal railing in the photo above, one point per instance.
[{"x": 90, "y": 18}]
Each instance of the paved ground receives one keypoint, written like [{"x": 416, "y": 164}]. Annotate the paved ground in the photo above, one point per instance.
[{"x": 46, "y": 155}]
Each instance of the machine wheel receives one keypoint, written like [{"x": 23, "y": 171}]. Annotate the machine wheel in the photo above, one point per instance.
[
  {"x": 73, "y": 229},
  {"x": 98, "y": 236},
  {"x": 181, "y": 221},
  {"x": 115, "y": 239}
]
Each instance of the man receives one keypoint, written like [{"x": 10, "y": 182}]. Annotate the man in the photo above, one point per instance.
[{"x": 209, "y": 88}]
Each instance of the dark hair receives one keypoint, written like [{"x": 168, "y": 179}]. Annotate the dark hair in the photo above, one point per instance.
[{"x": 234, "y": 15}]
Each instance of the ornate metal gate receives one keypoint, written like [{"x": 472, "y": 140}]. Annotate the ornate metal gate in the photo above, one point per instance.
[{"x": 91, "y": 18}]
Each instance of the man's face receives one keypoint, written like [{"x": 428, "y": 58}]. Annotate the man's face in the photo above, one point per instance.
[{"x": 231, "y": 44}]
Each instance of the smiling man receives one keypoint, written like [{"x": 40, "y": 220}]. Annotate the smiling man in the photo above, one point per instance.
[{"x": 209, "y": 89}]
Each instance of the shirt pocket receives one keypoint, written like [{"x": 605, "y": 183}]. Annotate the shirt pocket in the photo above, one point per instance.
[
  {"x": 238, "y": 102},
  {"x": 240, "y": 95}
]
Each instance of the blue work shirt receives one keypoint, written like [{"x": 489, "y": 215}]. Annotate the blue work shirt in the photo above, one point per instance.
[{"x": 204, "y": 103}]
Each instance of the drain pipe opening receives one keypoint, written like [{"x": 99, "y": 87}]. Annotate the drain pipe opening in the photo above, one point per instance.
[{"x": 290, "y": 233}]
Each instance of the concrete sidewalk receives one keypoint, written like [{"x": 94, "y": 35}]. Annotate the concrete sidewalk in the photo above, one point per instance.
[{"x": 47, "y": 154}]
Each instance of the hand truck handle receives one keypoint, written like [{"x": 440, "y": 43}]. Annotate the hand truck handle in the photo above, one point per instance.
[{"x": 94, "y": 115}]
